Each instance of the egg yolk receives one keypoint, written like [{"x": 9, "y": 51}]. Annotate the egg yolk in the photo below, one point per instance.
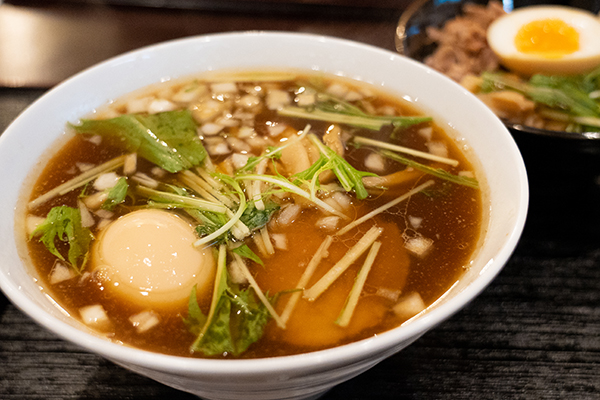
[
  {"x": 550, "y": 38},
  {"x": 147, "y": 257}
]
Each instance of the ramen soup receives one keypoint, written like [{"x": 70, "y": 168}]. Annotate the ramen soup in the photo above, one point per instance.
[{"x": 248, "y": 215}]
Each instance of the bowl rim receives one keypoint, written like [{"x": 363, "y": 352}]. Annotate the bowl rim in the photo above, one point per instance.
[
  {"x": 387, "y": 342},
  {"x": 401, "y": 35}
]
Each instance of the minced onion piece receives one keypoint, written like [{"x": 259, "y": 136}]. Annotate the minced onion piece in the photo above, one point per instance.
[
  {"x": 409, "y": 306},
  {"x": 418, "y": 245},
  {"x": 144, "y": 321},
  {"x": 95, "y": 316},
  {"x": 106, "y": 181},
  {"x": 87, "y": 219},
  {"x": 60, "y": 273}
]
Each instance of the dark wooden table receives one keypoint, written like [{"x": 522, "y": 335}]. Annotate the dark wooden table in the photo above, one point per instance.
[{"x": 533, "y": 334}]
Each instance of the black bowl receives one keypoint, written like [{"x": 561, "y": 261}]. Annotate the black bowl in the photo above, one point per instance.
[{"x": 563, "y": 167}]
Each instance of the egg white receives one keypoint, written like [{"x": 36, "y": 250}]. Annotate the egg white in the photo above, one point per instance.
[{"x": 502, "y": 32}]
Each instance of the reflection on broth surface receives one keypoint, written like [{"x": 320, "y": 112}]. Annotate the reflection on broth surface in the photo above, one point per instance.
[{"x": 253, "y": 215}]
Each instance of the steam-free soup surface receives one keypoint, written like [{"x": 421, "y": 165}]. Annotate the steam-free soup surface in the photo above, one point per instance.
[{"x": 295, "y": 163}]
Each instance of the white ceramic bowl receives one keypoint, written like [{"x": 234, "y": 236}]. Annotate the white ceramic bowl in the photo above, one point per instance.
[{"x": 291, "y": 377}]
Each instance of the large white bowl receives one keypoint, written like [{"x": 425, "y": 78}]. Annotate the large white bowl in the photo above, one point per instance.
[{"x": 291, "y": 377}]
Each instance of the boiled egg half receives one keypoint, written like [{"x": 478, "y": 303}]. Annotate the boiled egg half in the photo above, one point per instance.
[
  {"x": 551, "y": 40},
  {"x": 147, "y": 257}
]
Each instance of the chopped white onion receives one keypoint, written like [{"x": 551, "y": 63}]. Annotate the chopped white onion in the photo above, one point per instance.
[
  {"x": 60, "y": 273},
  {"x": 306, "y": 99},
  {"x": 106, "y": 181},
  {"x": 245, "y": 132},
  {"x": 87, "y": 219},
  {"x": 207, "y": 110},
  {"x": 277, "y": 99},
  {"x": 236, "y": 273},
  {"x": 389, "y": 294},
  {"x": 136, "y": 106},
  {"x": 276, "y": 129},
  {"x": 103, "y": 223},
  {"x": 228, "y": 121},
  {"x": 104, "y": 214},
  {"x": 188, "y": 94},
  {"x": 223, "y": 88},
  {"x": 438, "y": 149},
  {"x": 130, "y": 164},
  {"x": 374, "y": 162},
  {"x": 238, "y": 145},
  {"x": 95, "y": 201},
  {"x": 328, "y": 223},
  {"x": 387, "y": 110},
  {"x": 249, "y": 101},
  {"x": 94, "y": 316},
  {"x": 81, "y": 166},
  {"x": 279, "y": 241},
  {"x": 426, "y": 132},
  {"x": 218, "y": 149},
  {"x": 144, "y": 321},
  {"x": 409, "y": 306},
  {"x": 338, "y": 90},
  {"x": 158, "y": 172},
  {"x": 32, "y": 222},
  {"x": 161, "y": 105},
  {"x": 418, "y": 245},
  {"x": 95, "y": 139},
  {"x": 342, "y": 199},
  {"x": 415, "y": 222},
  {"x": 211, "y": 129},
  {"x": 239, "y": 160},
  {"x": 288, "y": 214},
  {"x": 353, "y": 96}
]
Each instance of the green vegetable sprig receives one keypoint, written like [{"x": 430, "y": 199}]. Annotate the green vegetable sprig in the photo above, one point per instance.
[
  {"x": 63, "y": 223},
  {"x": 349, "y": 177},
  {"x": 236, "y": 318}
]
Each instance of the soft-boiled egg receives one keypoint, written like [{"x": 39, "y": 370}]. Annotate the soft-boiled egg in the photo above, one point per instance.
[
  {"x": 547, "y": 39},
  {"x": 147, "y": 257}
]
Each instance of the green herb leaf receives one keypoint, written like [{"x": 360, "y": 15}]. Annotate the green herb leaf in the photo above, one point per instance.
[
  {"x": 217, "y": 339},
  {"x": 246, "y": 252},
  {"x": 195, "y": 319},
  {"x": 236, "y": 319},
  {"x": 255, "y": 219},
  {"x": 64, "y": 223},
  {"x": 167, "y": 139},
  {"x": 116, "y": 194},
  {"x": 250, "y": 320}
]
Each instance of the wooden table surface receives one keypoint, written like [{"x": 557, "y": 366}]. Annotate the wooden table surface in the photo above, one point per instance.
[{"x": 534, "y": 333}]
